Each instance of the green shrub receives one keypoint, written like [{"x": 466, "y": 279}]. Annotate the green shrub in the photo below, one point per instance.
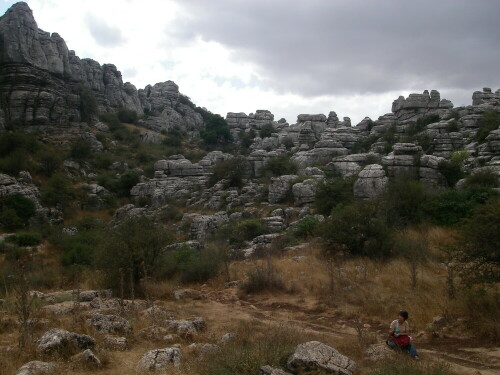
[
  {"x": 216, "y": 131},
  {"x": 278, "y": 166},
  {"x": 484, "y": 178},
  {"x": 25, "y": 239},
  {"x": 58, "y": 190},
  {"x": 331, "y": 193},
  {"x": 263, "y": 278},
  {"x": 452, "y": 126},
  {"x": 127, "y": 115},
  {"x": 481, "y": 313},
  {"x": 11, "y": 142},
  {"x": 15, "y": 211},
  {"x": 452, "y": 169},
  {"x": 126, "y": 181},
  {"x": 421, "y": 123},
  {"x": 364, "y": 146},
  {"x": 112, "y": 120},
  {"x": 88, "y": 103},
  {"x": 267, "y": 131},
  {"x": 194, "y": 266},
  {"x": 237, "y": 232},
  {"x": 233, "y": 170},
  {"x": 50, "y": 160},
  {"x": 307, "y": 227},
  {"x": 403, "y": 201},
  {"x": 173, "y": 137},
  {"x": 489, "y": 121},
  {"x": 452, "y": 206},
  {"x": 358, "y": 230},
  {"x": 135, "y": 248},
  {"x": 16, "y": 162},
  {"x": 288, "y": 143},
  {"x": 81, "y": 150},
  {"x": 480, "y": 244},
  {"x": 246, "y": 139}
]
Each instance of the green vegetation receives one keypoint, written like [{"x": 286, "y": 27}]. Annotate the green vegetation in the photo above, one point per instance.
[
  {"x": 333, "y": 192},
  {"x": 15, "y": 212},
  {"x": 278, "y": 166},
  {"x": 88, "y": 103},
  {"x": 194, "y": 266},
  {"x": 267, "y": 131},
  {"x": 25, "y": 239},
  {"x": 237, "y": 232},
  {"x": 81, "y": 150},
  {"x": 421, "y": 123},
  {"x": 233, "y": 171},
  {"x": 452, "y": 169},
  {"x": 489, "y": 121},
  {"x": 128, "y": 116},
  {"x": 216, "y": 131}
]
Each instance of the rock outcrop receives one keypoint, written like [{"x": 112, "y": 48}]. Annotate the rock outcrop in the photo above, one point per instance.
[
  {"x": 371, "y": 181},
  {"x": 64, "y": 342},
  {"x": 160, "y": 360},
  {"x": 37, "y": 368},
  {"x": 418, "y": 105},
  {"x": 319, "y": 357}
]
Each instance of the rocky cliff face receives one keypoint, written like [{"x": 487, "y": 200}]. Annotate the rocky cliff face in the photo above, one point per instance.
[{"x": 42, "y": 82}]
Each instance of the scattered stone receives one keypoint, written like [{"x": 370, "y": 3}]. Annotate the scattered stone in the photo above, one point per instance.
[
  {"x": 115, "y": 343},
  {"x": 268, "y": 370},
  {"x": 228, "y": 337},
  {"x": 186, "y": 293},
  {"x": 86, "y": 359},
  {"x": 379, "y": 352},
  {"x": 110, "y": 323}
]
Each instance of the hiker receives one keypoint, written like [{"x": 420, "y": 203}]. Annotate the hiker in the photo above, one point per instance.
[{"x": 399, "y": 335}]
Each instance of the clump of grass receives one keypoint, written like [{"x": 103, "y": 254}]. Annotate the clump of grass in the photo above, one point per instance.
[
  {"x": 410, "y": 367},
  {"x": 263, "y": 278},
  {"x": 256, "y": 345}
]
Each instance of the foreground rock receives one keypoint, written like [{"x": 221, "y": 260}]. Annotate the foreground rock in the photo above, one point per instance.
[
  {"x": 268, "y": 370},
  {"x": 86, "y": 359},
  {"x": 159, "y": 360},
  {"x": 37, "y": 368},
  {"x": 186, "y": 328},
  {"x": 62, "y": 342},
  {"x": 317, "y": 356}
]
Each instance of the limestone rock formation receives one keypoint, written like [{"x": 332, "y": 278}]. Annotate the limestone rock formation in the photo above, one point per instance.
[
  {"x": 371, "y": 181},
  {"x": 319, "y": 357},
  {"x": 279, "y": 188},
  {"x": 418, "y": 105}
]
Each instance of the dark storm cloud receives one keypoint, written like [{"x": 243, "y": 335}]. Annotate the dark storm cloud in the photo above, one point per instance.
[
  {"x": 104, "y": 34},
  {"x": 342, "y": 47}
]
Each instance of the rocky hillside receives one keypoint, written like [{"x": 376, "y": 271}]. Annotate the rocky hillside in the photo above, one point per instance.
[{"x": 115, "y": 200}]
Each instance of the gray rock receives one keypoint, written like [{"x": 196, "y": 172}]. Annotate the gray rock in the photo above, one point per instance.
[
  {"x": 86, "y": 359},
  {"x": 203, "y": 226},
  {"x": 64, "y": 342},
  {"x": 319, "y": 357},
  {"x": 228, "y": 337},
  {"x": 305, "y": 192},
  {"x": 160, "y": 360},
  {"x": 186, "y": 293},
  {"x": 268, "y": 370},
  {"x": 419, "y": 105},
  {"x": 279, "y": 188},
  {"x": 186, "y": 328},
  {"x": 110, "y": 323},
  {"x": 38, "y": 368},
  {"x": 379, "y": 352},
  {"x": 371, "y": 181}
]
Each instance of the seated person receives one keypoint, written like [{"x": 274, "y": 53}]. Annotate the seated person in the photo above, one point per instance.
[{"x": 399, "y": 335}]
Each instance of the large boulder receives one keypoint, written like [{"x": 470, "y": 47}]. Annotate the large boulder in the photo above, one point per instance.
[
  {"x": 319, "y": 357},
  {"x": 63, "y": 342},
  {"x": 279, "y": 188},
  {"x": 160, "y": 360},
  {"x": 37, "y": 368},
  {"x": 371, "y": 181},
  {"x": 305, "y": 192}
]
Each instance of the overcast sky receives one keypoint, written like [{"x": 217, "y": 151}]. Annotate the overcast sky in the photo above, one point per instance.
[{"x": 291, "y": 57}]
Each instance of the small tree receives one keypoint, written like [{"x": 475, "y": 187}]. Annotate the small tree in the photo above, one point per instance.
[
  {"x": 233, "y": 171},
  {"x": 480, "y": 245},
  {"x": 267, "y": 131},
  {"x": 216, "y": 131},
  {"x": 81, "y": 150}
]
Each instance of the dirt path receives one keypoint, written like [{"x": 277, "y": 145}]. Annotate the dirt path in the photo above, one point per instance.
[{"x": 464, "y": 356}]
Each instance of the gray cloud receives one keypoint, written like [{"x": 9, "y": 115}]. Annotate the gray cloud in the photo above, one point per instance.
[
  {"x": 345, "y": 47},
  {"x": 104, "y": 34}
]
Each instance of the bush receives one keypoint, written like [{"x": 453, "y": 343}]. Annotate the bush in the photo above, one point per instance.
[
  {"x": 263, "y": 278},
  {"x": 480, "y": 243},
  {"x": 127, "y": 115},
  {"x": 25, "y": 239},
  {"x": 58, "y": 190},
  {"x": 267, "y": 131},
  {"x": 278, "y": 166},
  {"x": 237, "y": 232},
  {"x": 194, "y": 266},
  {"x": 246, "y": 139},
  {"x": 81, "y": 150},
  {"x": 233, "y": 170},
  {"x": 134, "y": 248},
  {"x": 307, "y": 227},
  {"x": 421, "y": 123},
  {"x": 112, "y": 120},
  {"x": 489, "y": 121},
  {"x": 452, "y": 206},
  {"x": 288, "y": 143},
  {"x": 50, "y": 161},
  {"x": 173, "y": 137},
  {"x": 481, "y": 313},
  {"x": 483, "y": 178},
  {"x": 452, "y": 169},
  {"x": 16, "y": 162},
  {"x": 11, "y": 142},
  {"x": 357, "y": 230},
  {"x": 216, "y": 131},
  {"x": 126, "y": 181},
  {"x": 88, "y": 103},
  {"x": 333, "y": 192},
  {"x": 15, "y": 211}
]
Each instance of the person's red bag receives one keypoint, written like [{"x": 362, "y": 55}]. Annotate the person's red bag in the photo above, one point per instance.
[{"x": 402, "y": 341}]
